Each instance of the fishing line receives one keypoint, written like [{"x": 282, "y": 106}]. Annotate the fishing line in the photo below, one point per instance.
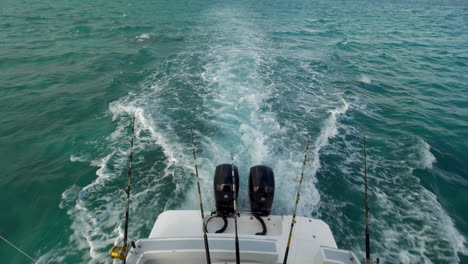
[{"x": 19, "y": 250}]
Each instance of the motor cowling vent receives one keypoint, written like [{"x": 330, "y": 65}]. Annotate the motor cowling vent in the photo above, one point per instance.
[
  {"x": 261, "y": 189},
  {"x": 223, "y": 186}
]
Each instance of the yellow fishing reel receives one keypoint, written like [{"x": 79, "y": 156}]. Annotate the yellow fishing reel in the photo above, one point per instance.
[{"x": 118, "y": 252}]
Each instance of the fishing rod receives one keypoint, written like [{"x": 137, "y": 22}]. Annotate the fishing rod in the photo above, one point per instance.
[
  {"x": 129, "y": 178},
  {"x": 368, "y": 260},
  {"x": 235, "y": 209},
  {"x": 205, "y": 237},
  {"x": 293, "y": 220},
  {"x": 118, "y": 252}
]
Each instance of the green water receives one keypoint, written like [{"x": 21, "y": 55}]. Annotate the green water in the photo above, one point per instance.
[{"x": 255, "y": 75}]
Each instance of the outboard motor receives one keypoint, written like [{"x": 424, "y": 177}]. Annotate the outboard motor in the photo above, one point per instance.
[
  {"x": 261, "y": 189},
  {"x": 223, "y": 189}
]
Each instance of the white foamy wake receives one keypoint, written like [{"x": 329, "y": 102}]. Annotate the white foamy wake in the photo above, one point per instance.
[
  {"x": 89, "y": 230},
  {"x": 74, "y": 158},
  {"x": 237, "y": 98},
  {"x": 227, "y": 95},
  {"x": 96, "y": 209},
  {"x": 329, "y": 130},
  {"x": 235, "y": 94},
  {"x": 408, "y": 223},
  {"x": 427, "y": 158},
  {"x": 143, "y": 37},
  {"x": 310, "y": 195}
]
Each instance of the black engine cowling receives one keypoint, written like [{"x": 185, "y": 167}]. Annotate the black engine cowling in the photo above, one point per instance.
[
  {"x": 223, "y": 186},
  {"x": 261, "y": 189}
]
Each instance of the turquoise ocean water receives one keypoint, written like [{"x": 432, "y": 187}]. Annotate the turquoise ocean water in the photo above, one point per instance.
[{"x": 257, "y": 75}]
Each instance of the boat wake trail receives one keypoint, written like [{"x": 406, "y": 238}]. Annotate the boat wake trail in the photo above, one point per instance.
[
  {"x": 242, "y": 93},
  {"x": 408, "y": 224}
]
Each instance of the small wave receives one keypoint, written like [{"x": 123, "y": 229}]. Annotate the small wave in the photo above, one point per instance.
[
  {"x": 328, "y": 131},
  {"x": 419, "y": 156},
  {"x": 143, "y": 37},
  {"x": 144, "y": 124},
  {"x": 427, "y": 158},
  {"x": 74, "y": 158},
  {"x": 365, "y": 79},
  {"x": 101, "y": 172},
  {"x": 69, "y": 196}
]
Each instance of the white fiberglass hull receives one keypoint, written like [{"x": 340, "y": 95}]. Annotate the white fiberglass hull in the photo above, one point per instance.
[{"x": 177, "y": 237}]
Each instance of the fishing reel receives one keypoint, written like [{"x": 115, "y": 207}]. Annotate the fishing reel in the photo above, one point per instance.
[{"x": 118, "y": 252}]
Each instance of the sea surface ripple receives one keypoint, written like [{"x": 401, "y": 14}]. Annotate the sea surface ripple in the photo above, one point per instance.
[{"x": 254, "y": 77}]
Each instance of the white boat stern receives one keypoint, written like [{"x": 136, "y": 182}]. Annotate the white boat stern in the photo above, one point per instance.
[{"x": 177, "y": 237}]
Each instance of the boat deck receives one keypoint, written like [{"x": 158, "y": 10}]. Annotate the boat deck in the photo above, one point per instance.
[{"x": 177, "y": 237}]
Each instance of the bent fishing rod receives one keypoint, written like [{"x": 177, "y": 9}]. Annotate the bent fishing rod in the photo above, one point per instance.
[{"x": 205, "y": 237}]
